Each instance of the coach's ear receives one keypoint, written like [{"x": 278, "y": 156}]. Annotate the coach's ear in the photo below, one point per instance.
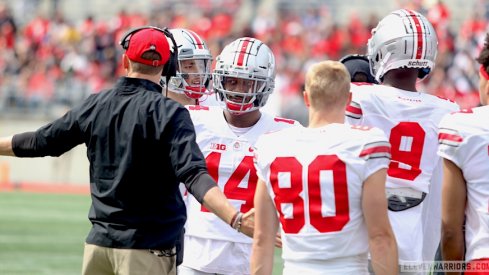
[{"x": 125, "y": 63}]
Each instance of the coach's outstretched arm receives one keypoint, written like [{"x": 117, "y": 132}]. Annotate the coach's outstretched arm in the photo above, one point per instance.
[
  {"x": 6, "y": 146},
  {"x": 382, "y": 243}
]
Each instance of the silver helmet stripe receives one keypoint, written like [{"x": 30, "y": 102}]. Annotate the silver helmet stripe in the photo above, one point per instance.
[
  {"x": 244, "y": 49},
  {"x": 196, "y": 39},
  {"x": 418, "y": 53}
]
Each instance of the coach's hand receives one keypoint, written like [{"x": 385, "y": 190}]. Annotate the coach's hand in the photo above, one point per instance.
[{"x": 248, "y": 223}]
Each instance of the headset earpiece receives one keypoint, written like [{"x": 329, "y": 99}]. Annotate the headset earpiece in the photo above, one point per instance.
[{"x": 171, "y": 66}]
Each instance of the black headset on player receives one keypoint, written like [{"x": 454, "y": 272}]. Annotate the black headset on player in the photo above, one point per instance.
[
  {"x": 353, "y": 56},
  {"x": 356, "y": 68},
  {"x": 171, "y": 66}
]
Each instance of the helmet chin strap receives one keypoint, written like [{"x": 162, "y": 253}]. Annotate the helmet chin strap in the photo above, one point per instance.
[
  {"x": 382, "y": 66},
  {"x": 194, "y": 92}
]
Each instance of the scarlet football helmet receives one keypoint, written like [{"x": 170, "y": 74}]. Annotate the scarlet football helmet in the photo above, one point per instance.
[
  {"x": 244, "y": 75},
  {"x": 402, "y": 39},
  {"x": 194, "y": 63}
]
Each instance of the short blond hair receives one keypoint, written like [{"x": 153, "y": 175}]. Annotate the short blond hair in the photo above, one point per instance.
[{"x": 328, "y": 85}]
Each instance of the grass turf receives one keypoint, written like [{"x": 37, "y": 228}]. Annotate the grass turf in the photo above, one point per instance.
[{"x": 44, "y": 233}]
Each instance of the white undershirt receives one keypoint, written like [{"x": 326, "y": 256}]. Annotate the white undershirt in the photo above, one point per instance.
[{"x": 239, "y": 131}]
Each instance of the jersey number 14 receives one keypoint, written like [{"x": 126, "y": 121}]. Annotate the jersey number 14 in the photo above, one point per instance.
[{"x": 232, "y": 190}]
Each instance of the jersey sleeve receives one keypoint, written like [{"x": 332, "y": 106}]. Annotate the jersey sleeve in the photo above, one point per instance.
[
  {"x": 450, "y": 140},
  {"x": 258, "y": 150},
  {"x": 354, "y": 110},
  {"x": 376, "y": 151},
  {"x": 54, "y": 138}
]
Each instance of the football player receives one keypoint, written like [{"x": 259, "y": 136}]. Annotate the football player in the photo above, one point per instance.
[
  {"x": 191, "y": 84},
  {"x": 327, "y": 183},
  {"x": 402, "y": 51},
  {"x": 464, "y": 147},
  {"x": 243, "y": 79}
]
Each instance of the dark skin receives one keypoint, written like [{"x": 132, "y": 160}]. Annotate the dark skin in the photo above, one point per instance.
[
  {"x": 246, "y": 119},
  {"x": 404, "y": 79},
  {"x": 360, "y": 77},
  {"x": 242, "y": 120}
]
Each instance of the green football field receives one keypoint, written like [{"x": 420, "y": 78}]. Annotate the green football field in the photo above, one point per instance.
[{"x": 44, "y": 233}]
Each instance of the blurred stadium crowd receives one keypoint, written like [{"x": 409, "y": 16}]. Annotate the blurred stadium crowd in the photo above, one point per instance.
[{"x": 48, "y": 62}]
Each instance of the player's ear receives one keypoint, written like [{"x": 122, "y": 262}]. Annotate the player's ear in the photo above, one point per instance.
[
  {"x": 306, "y": 98},
  {"x": 349, "y": 99}
]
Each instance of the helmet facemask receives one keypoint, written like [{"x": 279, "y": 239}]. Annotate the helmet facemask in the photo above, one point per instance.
[
  {"x": 194, "y": 65},
  {"x": 193, "y": 78},
  {"x": 241, "y": 94}
]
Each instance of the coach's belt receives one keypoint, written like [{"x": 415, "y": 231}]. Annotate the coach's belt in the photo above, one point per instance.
[
  {"x": 164, "y": 253},
  {"x": 400, "y": 199}
]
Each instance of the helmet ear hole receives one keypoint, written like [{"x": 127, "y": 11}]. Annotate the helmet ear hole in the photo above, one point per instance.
[
  {"x": 422, "y": 73},
  {"x": 221, "y": 96},
  {"x": 256, "y": 103}
]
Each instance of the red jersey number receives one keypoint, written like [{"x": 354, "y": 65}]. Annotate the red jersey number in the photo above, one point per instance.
[
  {"x": 231, "y": 188},
  {"x": 407, "y": 142},
  {"x": 291, "y": 195}
]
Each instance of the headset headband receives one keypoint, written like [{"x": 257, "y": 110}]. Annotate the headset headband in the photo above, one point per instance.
[{"x": 171, "y": 67}]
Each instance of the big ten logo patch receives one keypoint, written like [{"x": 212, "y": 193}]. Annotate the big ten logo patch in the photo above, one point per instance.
[{"x": 218, "y": 146}]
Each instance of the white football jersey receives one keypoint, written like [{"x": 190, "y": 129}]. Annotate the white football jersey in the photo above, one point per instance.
[
  {"x": 464, "y": 140},
  {"x": 410, "y": 121},
  {"x": 205, "y": 100},
  {"x": 230, "y": 162},
  {"x": 315, "y": 177},
  {"x": 209, "y": 100}
]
